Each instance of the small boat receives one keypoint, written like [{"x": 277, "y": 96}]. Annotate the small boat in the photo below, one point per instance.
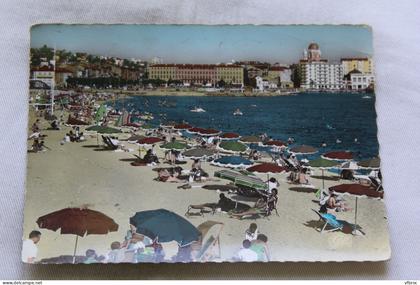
[
  {"x": 197, "y": 110},
  {"x": 366, "y": 97},
  {"x": 237, "y": 113}
]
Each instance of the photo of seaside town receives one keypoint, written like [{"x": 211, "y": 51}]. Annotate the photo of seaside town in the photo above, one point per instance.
[{"x": 193, "y": 143}]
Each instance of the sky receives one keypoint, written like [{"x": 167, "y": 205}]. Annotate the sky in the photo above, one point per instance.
[{"x": 206, "y": 44}]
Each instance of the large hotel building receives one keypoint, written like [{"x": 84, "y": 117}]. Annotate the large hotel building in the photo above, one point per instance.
[
  {"x": 198, "y": 73},
  {"x": 318, "y": 73}
]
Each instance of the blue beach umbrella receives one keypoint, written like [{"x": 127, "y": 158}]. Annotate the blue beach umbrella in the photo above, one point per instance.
[
  {"x": 258, "y": 147},
  {"x": 165, "y": 226},
  {"x": 232, "y": 162}
]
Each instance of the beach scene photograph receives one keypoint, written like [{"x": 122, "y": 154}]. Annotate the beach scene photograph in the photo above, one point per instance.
[{"x": 199, "y": 143}]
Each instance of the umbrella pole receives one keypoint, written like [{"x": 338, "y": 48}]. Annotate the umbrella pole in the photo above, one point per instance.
[
  {"x": 75, "y": 248},
  {"x": 355, "y": 214}
]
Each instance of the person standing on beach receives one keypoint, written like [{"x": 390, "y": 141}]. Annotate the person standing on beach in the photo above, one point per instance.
[
  {"x": 251, "y": 233},
  {"x": 29, "y": 248}
]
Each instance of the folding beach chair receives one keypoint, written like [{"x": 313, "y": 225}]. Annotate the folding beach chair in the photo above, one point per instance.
[
  {"x": 202, "y": 209},
  {"x": 376, "y": 183},
  {"x": 210, "y": 241},
  {"x": 329, "y": 221},
  {"x": 111, "y": 144}
]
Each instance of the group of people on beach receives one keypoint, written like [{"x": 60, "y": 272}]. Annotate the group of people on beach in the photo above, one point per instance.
[{"x": 254, "y": 246}]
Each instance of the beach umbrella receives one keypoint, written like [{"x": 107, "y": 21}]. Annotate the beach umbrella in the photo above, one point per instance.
[
  {"x": 373, "y": 163},
  {"x": 100, "y": 113},
  {"x": 79, "y": 222},
  {"x": 322, "y": 164},
  {"x": 266, "y": 168},
  {"x": 258, "y": 147},
  {"x": 275, "y": 143},
  {"x": 103, "y": 130},
  {"x": 135, "y": 138},
  {"x": 250, "y": 139},
  {"x": 76, "y": 122},
  {"x": 197, "y": 153},
  {"x": 182, "y": 127},
  {"x": 167, "y": 125},
  {"x": 133, "y": 125},
  {"x": 149, "y": 140},
  {"x": 165, "y": 226},
  {"x": 208, "y": 132},
  {"x": 233, "y": 146},
  {"x": 338, "y": 155},
  {"x": 176, "y": 145},
  {"x": 304, "y": 149},
  {"x": 232, "y": 162},
  {"x": 240, "y": 179},
  {"x": 350, "y": 165},
  {"x": 229, "y": 136},
  {"x": 357, "y": 190},
  {"x": 195, "y": 130}
]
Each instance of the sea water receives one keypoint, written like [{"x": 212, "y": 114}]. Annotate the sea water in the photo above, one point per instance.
[{"x": 309, "y": 118}]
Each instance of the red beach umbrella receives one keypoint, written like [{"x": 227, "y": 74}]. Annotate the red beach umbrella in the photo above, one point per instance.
[
  {"x": 229, "y": 136},
  {"x": 208, "y": 132},
  {"x": 357, "y": 190},
  {"x": 338, "y": 155},
  {"x": 275, "y": 143},
  {"x": 195, "y": 130},
  {"x": 266, "y": 168},
  {"x": 149, "y": 140},
  {"x": 79, "y": 222},
  {"x": 182, "y": 127}
]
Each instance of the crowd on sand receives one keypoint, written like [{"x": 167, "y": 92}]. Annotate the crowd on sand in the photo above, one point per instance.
[{"x": 137, "y": 248}]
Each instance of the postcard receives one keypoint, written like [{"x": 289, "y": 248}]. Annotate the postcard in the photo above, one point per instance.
[{"x": 195, "y": 143}]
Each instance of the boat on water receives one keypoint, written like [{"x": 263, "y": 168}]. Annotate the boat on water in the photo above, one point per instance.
[
  {"x": 366, "y": 97},
  {"x": 237, "y": 113},
  {"x": 197, "y": 110}
]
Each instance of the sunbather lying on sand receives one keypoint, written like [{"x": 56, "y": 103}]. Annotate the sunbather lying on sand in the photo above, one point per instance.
[
  {"x": 165, "y": 176},
  {"x": 262, "y": 206}
]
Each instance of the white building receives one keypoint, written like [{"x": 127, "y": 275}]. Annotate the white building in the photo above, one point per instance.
[
  {"x": 317, "y": 73},
  {"x": 263, "y": 84},
  {"x": 322, "y": 75},
  {"x": 361, "y": 81},
  {"x": 44, "y": 74}
]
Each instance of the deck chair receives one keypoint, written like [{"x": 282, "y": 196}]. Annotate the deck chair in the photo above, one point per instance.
[
  {"x": 210, "y": 242},
  {"x": 111, "y": 144},
  {"x": 334, "y": 224},
  {"x": 376, "y": 183},
  {"x": 108, "y": 144},
  {"x": 202, "y": 209}
]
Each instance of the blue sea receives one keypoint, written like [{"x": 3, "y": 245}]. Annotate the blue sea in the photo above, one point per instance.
[{"x": 309, "y": 118}]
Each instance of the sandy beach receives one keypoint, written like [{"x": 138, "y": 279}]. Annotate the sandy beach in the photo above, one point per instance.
[{"x": 76, "y": 174}]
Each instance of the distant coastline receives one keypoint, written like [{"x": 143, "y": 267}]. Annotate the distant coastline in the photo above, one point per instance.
[{"x": 200, "y": 93}]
